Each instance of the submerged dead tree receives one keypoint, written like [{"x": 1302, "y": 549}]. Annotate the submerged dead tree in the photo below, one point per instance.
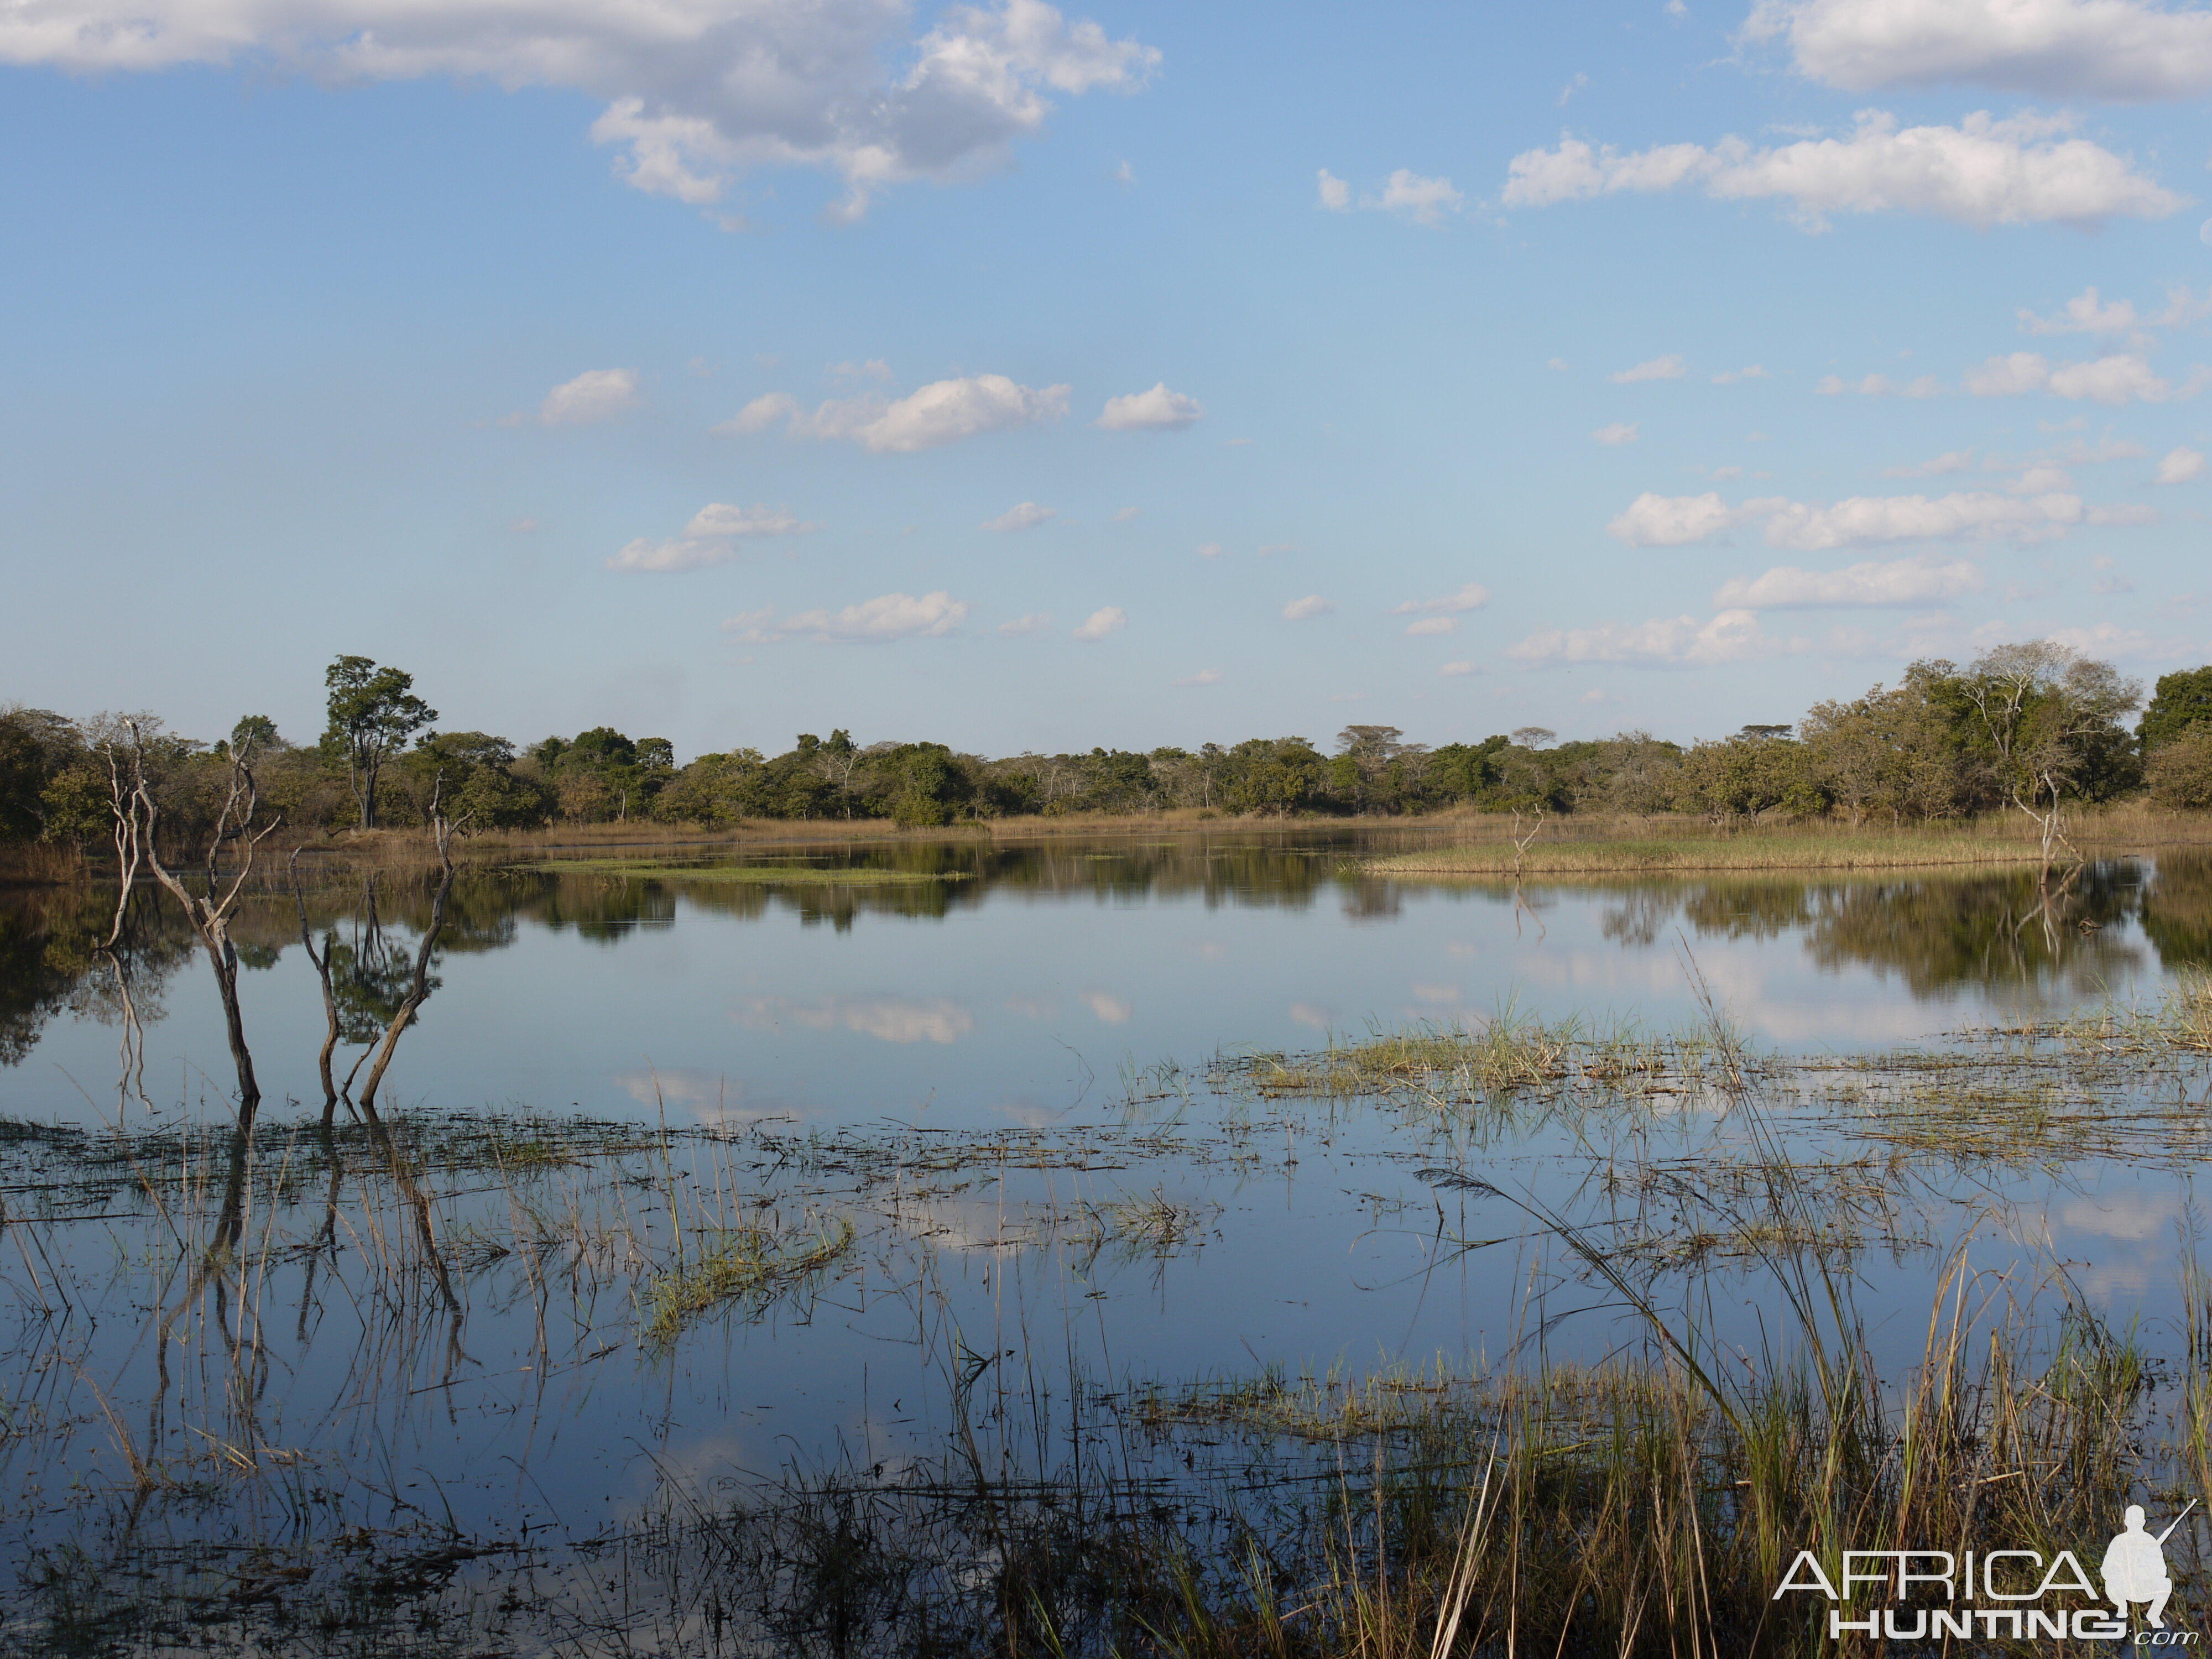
[{"x": 137, "y": 816}]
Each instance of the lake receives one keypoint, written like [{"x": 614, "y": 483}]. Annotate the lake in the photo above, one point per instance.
[{"x": 846, "y": 1163}]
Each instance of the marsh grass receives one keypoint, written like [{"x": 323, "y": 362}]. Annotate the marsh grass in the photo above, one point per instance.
[
  {"x": 1749, "y": 850},
  {"x": 747, "y": 1266},
  {"x": 1646, "y": 1502}
]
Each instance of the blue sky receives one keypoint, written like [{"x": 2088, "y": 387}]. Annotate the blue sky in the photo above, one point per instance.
[{"x": 1123, "y": 373}]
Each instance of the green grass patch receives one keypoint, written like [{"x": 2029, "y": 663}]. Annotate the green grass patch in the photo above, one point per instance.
[{"x": 1779, "y": 850}]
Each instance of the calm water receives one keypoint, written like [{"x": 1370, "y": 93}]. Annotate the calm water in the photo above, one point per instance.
[{"x": 997, "y": 1081}]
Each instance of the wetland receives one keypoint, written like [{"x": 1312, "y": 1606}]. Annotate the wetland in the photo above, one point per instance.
[{"x": 1216, "y": 1242}]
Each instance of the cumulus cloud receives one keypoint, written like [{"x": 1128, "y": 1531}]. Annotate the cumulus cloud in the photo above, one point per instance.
[
  {"x": 888, "y": 617},
  {"x": 1204, "y": 677},
  {"x": 2122, "y": 378},
  {"x": 1730, "y": 376},
  {"x": 1877, "y": 385},
  {"x": 1455, "y": 669},
  {"x": 1312, "y": 605},
  {"x": 1955, "y": 461},
  {"x": 1654, "y": 520},
  {"x": 1035, "y": 621},
  {"x": 2180, "y": 466},
  {"x": 1663, "y": 642},
  {"x": 1424, "y": 201},
  {"x": 695, "y": 93},
  {"x": 1620, "y": 432},
  {"x": 1024, "y": 515},
  {"x": 2117, "y": 49},
  {"x": 942, "y": 412},
  {"x": 763, "y": 412},
  {"x": 1473, "y": 597},
  {"x": 1669, "y": 368},
  {"x": 1101, "y": 623},
  {"x": 1431, "y": 625},
  {"x": 1923, "y": 580},
  {"x": 1982, "y": 172},
  {"x": 597, "y": 394},
  {"x": 711, "y": 537},
  {"x": 1156, "y": 411}
]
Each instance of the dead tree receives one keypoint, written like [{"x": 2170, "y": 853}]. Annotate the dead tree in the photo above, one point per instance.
[
  {"x": 442, "y": 829},
  {"x": 138, "y": 819}
]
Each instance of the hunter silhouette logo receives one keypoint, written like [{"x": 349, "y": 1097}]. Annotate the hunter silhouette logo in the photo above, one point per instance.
[
  {"x": 2135, "y": 1566},
  {"x": 2001, "y": 1593}
]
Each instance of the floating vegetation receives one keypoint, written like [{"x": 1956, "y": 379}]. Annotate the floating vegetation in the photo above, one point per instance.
[{"x": 745, "y": 1265}]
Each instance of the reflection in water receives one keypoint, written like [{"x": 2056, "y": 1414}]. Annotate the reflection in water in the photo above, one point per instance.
[{"x": 1937, "y": 933}]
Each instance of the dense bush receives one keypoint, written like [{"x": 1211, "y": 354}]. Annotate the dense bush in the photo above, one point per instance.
[{"x": 2022, "y": 724}]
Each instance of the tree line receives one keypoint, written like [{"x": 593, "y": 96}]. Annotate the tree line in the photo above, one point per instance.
[{"x": 2033, "y": 725}]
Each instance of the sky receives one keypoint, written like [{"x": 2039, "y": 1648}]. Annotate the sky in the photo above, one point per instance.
[{"x": 1125, "y": 374}]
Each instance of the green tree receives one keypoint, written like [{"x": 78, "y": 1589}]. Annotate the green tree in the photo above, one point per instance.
[
  {"x": 373, "y": 711},
  {"x": 2180, "y": 701},
  {"x": 36, "y": 747}
]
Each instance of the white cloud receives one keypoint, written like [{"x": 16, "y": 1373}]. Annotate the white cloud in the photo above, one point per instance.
[
  {"x": 1663, "y": 642},
  {"x": 2085, "y": 313},
  {"x": 1654, "y": 520},
  {"x": 1123, "y": 515},
  {"x": 1204, "y": 677},
  {"x": 1035, "y": 622},
  {"x": 1956, "y": 460},
  {"x": 1425, "y": 201},
  {"x": 1024, "y": 515},
  {"x": 1431, "y": 625},
  {"x": 1312, "y": 605},
  {"x": 1669, "y": 368},
  {"x": 2110, "y": 640},
  {"x": 1620, "y": 432},
  {"x": 1877, "y": 385},
  {"x": 1473, "y": 597},
  {"x": 2180, "y": 466},
  {"x": 2116, "y": 49},
  {"x": 1982, "y": 172},
  {"x": 1099, "y": 624},
  {"x": 711, "y": 537},
  {"x": 942, "y": 412},
  {"x": 1156, "y": 411},
  {"x": 889, "y": 616},
  {"x": 597, "y": 394},
  {"x": 722, "y": 518},
  {"x": 1209, "y": 549},
  {"x": 696, "y": 92},
  {"x": 2123, "y": 378},
  {"x": 1922, "y": 581},
  {"x": 875, "y": 368},
  {"x": 1458, "y": 669},
  {"x": 1730, "y": 376},
  {"x": 763, "y": 412}
]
